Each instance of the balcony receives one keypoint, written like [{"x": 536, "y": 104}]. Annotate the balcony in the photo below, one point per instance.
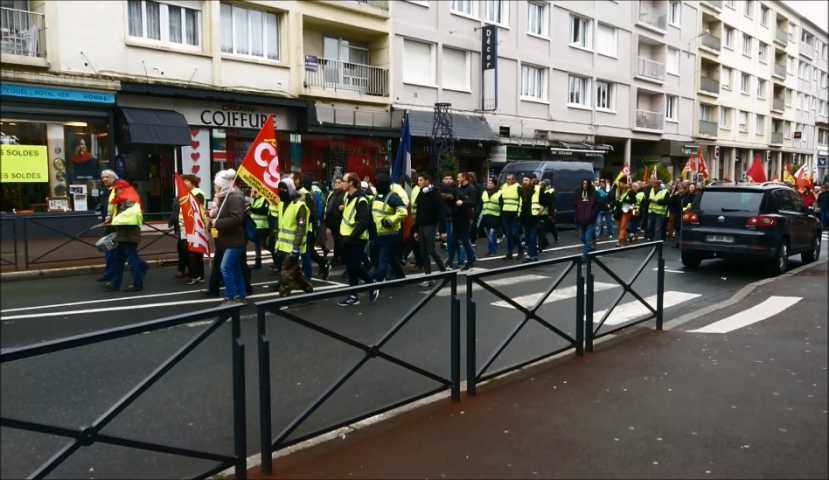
[
  {"x": 806, "y": 50},
  {"x": 649, "y": 120},
  {"x": 381, "y": 4},
  {"x": 709, "y": 85},
  {"x": 781, "y": 36},
  {"x": 710, "y": 41},
  {"x": 780, "y": 70},
  {"x": 708, "y": 128},
  {"x": 778, "y": 104},
  {"x": 776, "y": 138},
  {"x": 22, "y": 33},
  {"x": 355, "y": 78},
  {"x": 804, "y": 85},
  {"x": 651, "y": 69},
  {"x": 651, "y": 16}
]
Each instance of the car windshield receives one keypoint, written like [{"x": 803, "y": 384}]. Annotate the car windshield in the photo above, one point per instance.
[{"x": 716, "y": 201}]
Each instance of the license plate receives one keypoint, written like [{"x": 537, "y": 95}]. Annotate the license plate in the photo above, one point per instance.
[{"x": 719, "y": 238}]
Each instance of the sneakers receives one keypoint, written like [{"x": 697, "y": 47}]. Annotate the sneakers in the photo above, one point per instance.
[
  {"x": 349, "y": 301},
  {"x": 133, "y": 288},
  {"x": 466, "y": 267},
  {"x": 529, "y": 260},
  {"x": 426, "y": 284},
  {"x": 195, "y": 281},
  {"x": 373, "y": 295},
  {"x": 109, "y": 288}
]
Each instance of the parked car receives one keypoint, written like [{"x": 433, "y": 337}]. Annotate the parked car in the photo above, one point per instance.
[
  {"x": 564, "y": 177},
  {"x": 750, "y": 221}
]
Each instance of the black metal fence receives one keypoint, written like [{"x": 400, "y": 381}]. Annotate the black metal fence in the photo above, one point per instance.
[
  {"x": 88, "y": 435},
  {"x": 281, "y": 308}
]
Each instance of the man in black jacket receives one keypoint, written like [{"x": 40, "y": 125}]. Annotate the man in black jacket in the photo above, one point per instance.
[
  {"x": 464, "y": 202},
  {"x": 354, "y": 227},
  {"x": 431, "y": 215},
  {"x": 333, "y": 216}
]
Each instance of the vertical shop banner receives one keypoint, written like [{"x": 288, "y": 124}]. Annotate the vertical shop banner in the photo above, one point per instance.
[
  {"x": 195, "y": 158},
  {"x": 260, "y": 167},
  {"x": 489, "y": 68}
]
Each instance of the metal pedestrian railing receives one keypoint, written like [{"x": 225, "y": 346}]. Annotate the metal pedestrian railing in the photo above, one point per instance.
[
  {"x": 474, "y": 375},
  {"x": 8, "y": 244},
  {"x": 282, "y": 308},
  {"x": 88, "y": 435},
  {"x": 595, "y": 257}
]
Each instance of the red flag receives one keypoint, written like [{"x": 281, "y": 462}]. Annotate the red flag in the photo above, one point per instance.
[
  {"x": 701, "y": 169},
  {"x": 756, "y": 174},
  {"x": 192, "y": 218},
  {"x": 802, "y": 178},
  {"x": 787, "y": 174},
  {"x": 125, "y": 193},
  {"x": 260, "y": 168}
]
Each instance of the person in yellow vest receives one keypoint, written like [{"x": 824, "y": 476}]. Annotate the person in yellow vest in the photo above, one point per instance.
[
  {"x": 410, "y": 245},
  {"x": 291, "y": 242},
  {"x": 354, "y": 229},
  {"x": 548, "y": 216},
  {"x": 273, "y": 225},
  {"x": 532, "y": 210},
  {"x": 491, "y": 215},
  {"x": 511, "y": 198},
  {"x": 657, "y": 208},
  {"x": 108, "y": 178},
  {"x": 388, "y": 211},
  {"x": 259, "y": 208},
  {"x": 127, "y": 220},
  {"x": 333, "y": 216}
]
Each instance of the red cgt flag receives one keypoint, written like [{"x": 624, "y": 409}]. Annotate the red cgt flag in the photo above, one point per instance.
[
  {"x": 756, "y": 174},
  {"x": 260, "y": 168},
  {"x": 192, "y": 218}
]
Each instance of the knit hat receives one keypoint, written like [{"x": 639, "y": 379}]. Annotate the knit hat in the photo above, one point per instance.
[{"x": 224, "y": 179}]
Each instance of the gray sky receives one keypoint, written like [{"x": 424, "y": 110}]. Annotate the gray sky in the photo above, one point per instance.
[{"x": 815, "y": 10}]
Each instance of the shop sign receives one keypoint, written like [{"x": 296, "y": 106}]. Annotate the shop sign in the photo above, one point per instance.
[
  {"x": 797, "y": 135},
  {"x": 499, "y": 154},
  {"x": 312, "y": 63},
  {"x": 822, "y": 162},
  {"x": 489, "y": 67},
  {"x": 24, "y": 164},
  {"x": 49, "y": 93}
]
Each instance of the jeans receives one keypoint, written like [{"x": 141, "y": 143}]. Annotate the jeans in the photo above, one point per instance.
[
  {"x": 460, "y": 236},
  {"x": 492, "y": 240},
  {"x": 216, "y": 274},
  {"x": 109, "y": 270},
  {"x": 531, "y": 232},
  {"x": 511, "y": 230},
  {"x": 824, "y": 218},
  {"x": 427, "y": 248},
  {"x": 232, "y": 273},
  {"x": 127, "y": 252},
  {"x": 586, "y": 237},
  {"x": 354, "y": 254},
  {"x": 388, "y": 249},
  {"x": 452, "y": 244},
  {"x": 656, "y": 224},
  {"x": 604, "y": 221}
]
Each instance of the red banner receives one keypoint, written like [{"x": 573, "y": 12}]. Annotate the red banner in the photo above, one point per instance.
[
  {"x": 260, "y": 167},
  {"x": 191, "y": 212}
]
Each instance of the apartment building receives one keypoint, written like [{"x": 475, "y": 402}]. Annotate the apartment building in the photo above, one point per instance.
[
  {"x": 151, "y": 87},
  {"x": 759, "y": 86}
]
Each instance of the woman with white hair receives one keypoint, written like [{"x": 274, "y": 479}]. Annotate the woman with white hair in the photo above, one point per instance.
[{"x": 228, "y": 218}]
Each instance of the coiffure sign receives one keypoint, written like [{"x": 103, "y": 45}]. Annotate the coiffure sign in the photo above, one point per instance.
[{"x": 231, "y": 117}]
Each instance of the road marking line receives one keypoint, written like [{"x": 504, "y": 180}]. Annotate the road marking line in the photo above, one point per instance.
[
  {"x": 500, "y": 282},
  {"x": 766, "y": 309},
  {"x": 629, "y": 311},
  {"x": 563, "y": 294},
  {"x": 668, "y": 270},
  {"x": 564, "y": 247}
]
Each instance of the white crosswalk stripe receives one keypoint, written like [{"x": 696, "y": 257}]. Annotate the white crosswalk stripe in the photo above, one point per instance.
[
  {"x": 630, "y": 311},
  {"x": 557, "y": 295},
  {"x": 766, "y": 309},
  {"x": 498, "y": 283}
]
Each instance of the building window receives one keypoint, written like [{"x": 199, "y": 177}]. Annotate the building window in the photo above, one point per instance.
[
  {"x": 673, "y": 61},
  {"x": 604, "y": 95},
  {"x": 578, "y": 91},
  {"x": 729, "y": 37},
  {"x": 725, "y": 117},
  {"x": 747, "y": 45},
  {"x": 761, "y": 88},
  {"x": 760, "y": 125},
  {"x": 745, "y": 83},
  {"x": 787, "y": 129},
  {"x": 743, "y": 122},
  {"x": 496, "y": 11},
  {"x": 764, "y": 15},
  {"x": 729, "y": 4},
  {"x": 789, "y": 95},
  {"x": 672, "y": 107},
  {"x": 606, "y": 40},
  {"x": 674, "y": 13},
  {"x": 537, "y": 18},
  {"x": 455, "y": 69},
  {"x": 171, "y": 24},
  {"x": 580, "y": 32},
  {"x": 749, "y": 8},
  {"x": 725, "y": 77},
  {"x": 790, "y": 65},
  {"x": 419, "y": 67},
  {"x": 762, "y": 51},
  {"x": 464, "y": 7},
  {"x": 533, "y": 82},
  {"x": 706, "y": 112},
  {"x": 249, "y": 32}
]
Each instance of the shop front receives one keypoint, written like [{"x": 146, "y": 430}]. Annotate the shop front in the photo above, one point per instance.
[{"x": 54, "y": 142}]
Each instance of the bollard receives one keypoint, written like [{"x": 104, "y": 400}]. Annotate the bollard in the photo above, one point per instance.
[{"x": 660, "y": 286}]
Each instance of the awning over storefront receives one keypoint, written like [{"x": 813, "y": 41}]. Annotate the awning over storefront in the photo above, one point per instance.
[
  {"x": 154, "y": 127},
  {"x": 464, "y": 127}
]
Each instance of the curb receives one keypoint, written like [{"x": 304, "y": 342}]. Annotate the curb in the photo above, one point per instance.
[{"x": 65, "y": 271}]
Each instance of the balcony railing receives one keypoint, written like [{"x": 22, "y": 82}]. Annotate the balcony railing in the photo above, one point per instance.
[
  {"x": 781, "y": 36},
  {"x": 651, "y": 68},
  {"x": 708, "y": 128},
  {"x": 649, "y": 120},
  {"x": 22, "y": 33},
  {"x": 780, "y": 70},
  {"x": 776, "y": 138},
  {"x": 653, "y": 18},
  {"x": 347, "y": 76},
  {"x": 381, "y": 4},
  {"x": 778, "y": 104},
  {"x": 711, "y": 41},
  {"x": 709, "y": 85}
]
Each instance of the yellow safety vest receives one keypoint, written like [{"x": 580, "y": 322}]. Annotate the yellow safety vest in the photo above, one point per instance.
[
  {"x": 535, "y": 208},
  {"x": 288, "y": 227},
  {"x": 544, "y": 209},
  {"x": 511, "y": 198},
  {"x": 110, "y": 205},
  {"x": 131, "y": 216},
  {"x": 380, "y": 210},
  {"x": 401, "y": 192},
  {"x": 305, "y": 196},
  {"x": 415, "y": 193},
  {"x": 655, "y": 208},
  {"x": 259, "y": 219},
  {"x": 491, "y": 204},
  {"x": 349, "y": 222}
]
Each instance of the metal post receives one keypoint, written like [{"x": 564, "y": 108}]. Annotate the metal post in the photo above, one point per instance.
[
  {"x": 14, "y": 239},
  {"x": 589, "y": 300},
  {"x": 471, "y": 335},
  {"x": 265, "y": 435},
  {"x": 25, "y": 245},
  {"x": 660, "y": 286},
  {"x": 579, "y": 308},
  {"x": 239, "y": 416},
  {"x": 455, "y": 349}
]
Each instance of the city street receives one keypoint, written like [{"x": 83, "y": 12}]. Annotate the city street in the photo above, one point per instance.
[{"x": 191, "y": 406}]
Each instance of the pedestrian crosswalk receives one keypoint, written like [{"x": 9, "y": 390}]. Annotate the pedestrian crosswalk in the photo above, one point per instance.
[
  {"x": 630, "y": 311},
  {"x": 765, "y": 309},
  {"x": 564, "y": 293}
]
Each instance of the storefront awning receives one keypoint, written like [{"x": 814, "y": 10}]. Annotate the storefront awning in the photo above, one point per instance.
[
  {"x": 464, "y": 127},
  {"x": 154, "y": 127}
]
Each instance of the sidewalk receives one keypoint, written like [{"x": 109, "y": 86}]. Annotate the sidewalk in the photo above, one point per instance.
[{"x": 748, "y": 404}]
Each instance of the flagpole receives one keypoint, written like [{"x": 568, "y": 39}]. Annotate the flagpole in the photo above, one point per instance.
[{"x": 232, "y": 184}]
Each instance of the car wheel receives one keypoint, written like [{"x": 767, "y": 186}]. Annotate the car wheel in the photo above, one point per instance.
[
  {"x": 812, "y": 254},
  {"x": 781, "y": 262},
  {"x": 691, "y": 260}
]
